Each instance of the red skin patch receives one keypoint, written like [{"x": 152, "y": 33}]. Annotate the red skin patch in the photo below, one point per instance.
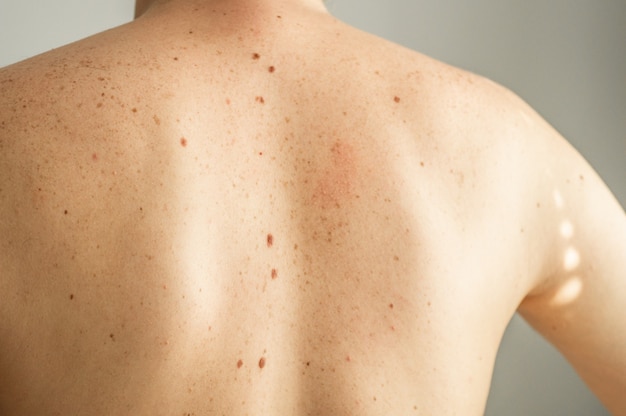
[{"x": 336, "y": 181}]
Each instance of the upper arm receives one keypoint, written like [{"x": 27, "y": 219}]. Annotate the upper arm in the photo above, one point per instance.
[{"x": 579, "y": 304}]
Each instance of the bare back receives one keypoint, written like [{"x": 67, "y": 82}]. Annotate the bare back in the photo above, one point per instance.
[{"x": 253, "y": 212}]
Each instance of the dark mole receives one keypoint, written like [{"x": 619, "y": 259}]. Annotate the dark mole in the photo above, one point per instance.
[
  {"x": 239, "y": 364},
  {"x": 262, "y": 362},
  {"x": 396, "y": 99},
  {"x": 183, "y": 142},
  {"x": 112, "y": 336},
  {"x": 134, "y": 110},
  {"x": 274, "y": 274},
  {"x": 271, "y": 69},
  {"x": 255, "y": 56},
  {"x": 72, "y": 296},
  {"x": 270, "y": 240},
  {"x": 176, "y": 58},
  {"x": 65, "y": 212}
]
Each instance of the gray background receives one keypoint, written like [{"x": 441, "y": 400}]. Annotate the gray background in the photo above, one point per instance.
[{"x": 567, "y": 58}]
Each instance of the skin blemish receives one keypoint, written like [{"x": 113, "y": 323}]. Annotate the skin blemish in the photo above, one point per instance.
[
  {"x": 262, "y": 363},
  {"x": 239, "y": 364},
  {"x": 157, "y": 120},
  {"x": 391, "y": 306},
  {"x": 337, "y": 181},
  {"x": 65, "y": 212},
  {"x": 396, "y": 99},
  {"x": 72, "y": 296},
  {"x": 270, "y": 240},
  {"x": 271, "y": 69},
  {"x": 112, "y": 336},
  {"x": 134, "y": 110},
  {"x": 94, "y": 157},
  {"x": 176, "y": 58},
  {"x": 256, "y": 56},
  {"x": 274, "y": 274},
  {"x": 260, "y": 99},
  {"x": 183, "y": 142}
]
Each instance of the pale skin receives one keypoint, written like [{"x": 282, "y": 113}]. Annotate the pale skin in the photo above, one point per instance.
[{"x": 247, "y": 207}]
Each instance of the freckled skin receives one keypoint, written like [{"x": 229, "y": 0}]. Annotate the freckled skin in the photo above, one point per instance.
[{"x": 138, "y": 272}]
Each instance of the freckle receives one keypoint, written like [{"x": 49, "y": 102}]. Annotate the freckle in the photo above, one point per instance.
[
  {"x": 274, "y": 274},
  {"x": 396, "y": 258},
  {"x": 279, "y": 17},
  {"x": 134, "y": 110},
  {"x": 582, "y": 178},
  {"x": 422, "y": 164},
  {"x": 255, "y": 56},
  {"x": 183, "y": 142},
  {"x": 157, "y": 121},
  {"x": 271, "y": 69},
  {"x": 239, "y": 364},
  {"x": 99, "y": 105},
  {"x": 112, "y": 336},
  {"x": 396, "y": 99},
  {"x": 270, "y": 240},
  {"x": 391, "y": 306},
  {"x": 176, "y": 58},
  {"x": 262, "y": 362}
]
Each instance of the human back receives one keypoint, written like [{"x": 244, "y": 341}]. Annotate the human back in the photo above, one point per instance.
[{"x": 230, "y": 210}]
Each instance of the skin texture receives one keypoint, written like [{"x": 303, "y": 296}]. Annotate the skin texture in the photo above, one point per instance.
[{"x": 248, "y": 207}]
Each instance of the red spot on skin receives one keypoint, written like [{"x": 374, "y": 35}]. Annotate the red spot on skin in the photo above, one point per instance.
[
  {"x": 262, "y": 362},
  {"x": 94, "y": 157},
  {"x": 239, "y": 364},
  {"x": 270, "y": 240},
  {"x": 228, "y": 101},
  {"x": 183, "y": 142},
  {"x": 255, "y": 56},
  {"x": 391, "y": 306},
  {"x": 396, "y": 99},
  {"x": 337, "y": 180},
  {"x": 271, "y": 69},
  {"x": 348, "y": 359},
  {"x": 274, "y": 274}
]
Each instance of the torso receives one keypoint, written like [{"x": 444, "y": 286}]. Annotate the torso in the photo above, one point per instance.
[{"x": 229, "y": 221}]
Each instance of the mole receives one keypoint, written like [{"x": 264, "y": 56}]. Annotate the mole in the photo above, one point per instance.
[
  {"x": 183, "y": 142},
  {"x": 72, "y": 296},
  {"x": 262, "y": 362},
  {"x": 239, "y": 364},
  {"x": 271, "y": 69},
  {"x": 260, "y": 99},
  {"x": 255, "y": 56},
  {"x": 274, "y": 274},
  {"x": 270, "y": 240},
  {"x": 396, "y": 99}
]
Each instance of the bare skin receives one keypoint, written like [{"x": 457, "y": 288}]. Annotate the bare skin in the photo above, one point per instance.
[{"x": 247, "y": 207}]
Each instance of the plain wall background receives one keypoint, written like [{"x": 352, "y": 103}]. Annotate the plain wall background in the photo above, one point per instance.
[{"x": 567, "y": 58}]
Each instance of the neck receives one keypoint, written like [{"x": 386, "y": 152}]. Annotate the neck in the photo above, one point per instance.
[{"x": 141, "y": 6}]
